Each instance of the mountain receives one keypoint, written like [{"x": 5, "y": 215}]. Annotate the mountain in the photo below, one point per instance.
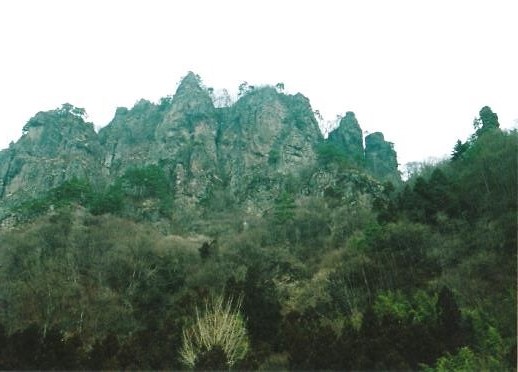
[
  {"x": 55, "y": 146},
  {"x": 349, "y": 138},
  {"x": 249, "y": 149},
  {"x": 240, "y": 237},
  {"x": 380, "y": 157}
]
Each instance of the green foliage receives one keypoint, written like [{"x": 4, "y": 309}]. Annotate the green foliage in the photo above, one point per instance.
[
  {"x": 32, "y": 208},
  {"x": 459, "y": 149},
  {"x": 81, "y": 273},
  {"x": 59, "y": 116},
  {"x": 279, "y": 87},
  {"x": 363, "y": 277},
  {"x": 488, "y": 120},
  {"x": 72, "y": 191},
  {"x": 135, "y": 186},
  {"x": 244, "y": 89},
  {"x": 143, "y": 182},
  {"x": 274, "y": 156},
  {"x": 392, "y": 304},
  {"x": 67, "y": 109},
  {"x": 208, "y": 250},
  {"x": 284, "y": 208},
  {"x": 403, "y": 247},
  {"x": 486, "y": 178},
  {"x": 165, "y": 103},
  {"x": 110, "y": 201},
  {"x": 465, "y": 360},
  {"x": 330, "y": 153},
  {"x": 311, "y": 345},
  {"x": 261, "y": 307},
  {"x": 31, "y": 349}
]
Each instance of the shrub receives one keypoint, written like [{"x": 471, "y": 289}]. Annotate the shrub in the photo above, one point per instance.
[{"x": 220, "y": 327}]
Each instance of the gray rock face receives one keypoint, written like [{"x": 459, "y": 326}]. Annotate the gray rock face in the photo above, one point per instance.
[
  {"x": 381, "y": 158},
  {"x": 56, "y": 146},
  {"x": 185, "y": 141},
  {"x": 128, "y": 138},
  {"x": 246, "y": 151},
  {"x": 266, "y": 136},
  {"x": 179, "y": 134},
  {"x": 349, "y": 137}
]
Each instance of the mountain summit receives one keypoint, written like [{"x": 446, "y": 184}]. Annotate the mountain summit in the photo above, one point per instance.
[
  {"x": 249, "y": 148},
  {"x": 240, "y": 237}
]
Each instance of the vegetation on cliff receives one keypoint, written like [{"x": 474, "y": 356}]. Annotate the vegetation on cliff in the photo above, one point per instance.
[{"x": 336, "y": 264}]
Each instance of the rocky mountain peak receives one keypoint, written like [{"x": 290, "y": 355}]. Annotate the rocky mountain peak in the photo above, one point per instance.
[
  {"x": 185, "y": 139},
  {"x": 190, "y": 81},
  {"x": 348, "y": 137},
  {"x": 248, "y": 149},
  {"x": 56, "y": 145},
  {"x": 46, "y": 132},
  {"x": 266, "y": 136},
  {"x": 381, "y": 158},
  {"x": 127, "y": 139},
  {"x": 191, "y": 95},
  {"x": 190, "y": 102}
]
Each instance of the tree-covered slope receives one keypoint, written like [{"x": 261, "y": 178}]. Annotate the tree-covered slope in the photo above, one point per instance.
[{"x": 310, "y": 265}]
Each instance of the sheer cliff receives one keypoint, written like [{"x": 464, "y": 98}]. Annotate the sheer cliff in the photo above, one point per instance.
[
  {"x": 55, "y": 146},
  {"x": 250, "y": 149}
]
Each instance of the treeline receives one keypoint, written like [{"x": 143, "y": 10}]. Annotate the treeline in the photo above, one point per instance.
[{"x": 422, "y": 276}]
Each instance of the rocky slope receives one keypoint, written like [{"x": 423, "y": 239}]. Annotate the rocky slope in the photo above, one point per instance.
[
  {"x": 248, "y": 149},
  {"x": 56, "y": 146},
  {"x": 349, "y": 138},
  {"x": 264, "y": 137},
  {"x": 381, "y": 158}
]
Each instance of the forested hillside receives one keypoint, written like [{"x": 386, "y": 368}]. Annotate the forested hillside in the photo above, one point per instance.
[{"x": 294, "y": 261}]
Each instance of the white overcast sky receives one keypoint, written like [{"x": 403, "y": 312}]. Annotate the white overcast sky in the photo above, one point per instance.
[{"x": 419, "y": 71}]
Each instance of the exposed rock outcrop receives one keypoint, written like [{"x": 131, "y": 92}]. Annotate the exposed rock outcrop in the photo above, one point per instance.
[
  {"x": 266, "y": 136},
  {"x": 129, "y": 137},
  {"x": 349, "y": 138},
  {"x": 248, "y": 151},
  {"x": 56, "y": 146},
  {"x": 381, "y": 158},
  {"x": 185, "y": 140}
]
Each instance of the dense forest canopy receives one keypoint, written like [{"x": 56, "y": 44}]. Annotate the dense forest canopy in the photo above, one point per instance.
[{"x": 367, "y": 274}]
